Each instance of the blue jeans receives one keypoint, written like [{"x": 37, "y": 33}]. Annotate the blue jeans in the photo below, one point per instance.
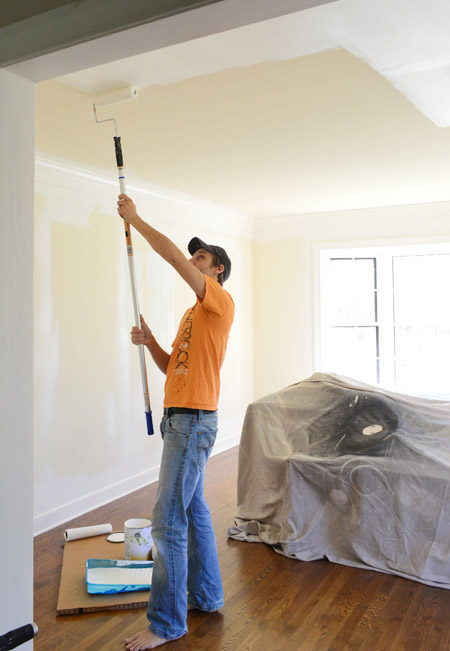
[{"x": 186, "y": 554}]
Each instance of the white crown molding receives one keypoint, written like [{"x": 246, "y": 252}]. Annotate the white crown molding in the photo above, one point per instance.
[
  {"x": 169, "y": 204},
  {"x": 408, "y": 219}
]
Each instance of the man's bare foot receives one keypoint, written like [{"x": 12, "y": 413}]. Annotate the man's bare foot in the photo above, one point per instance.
[{"x": 144, "y": 640}]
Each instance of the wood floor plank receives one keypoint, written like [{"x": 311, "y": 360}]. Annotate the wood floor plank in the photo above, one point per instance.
[
  {"x": 272, "y": 603},
  {"x": 375, "y": 592}
]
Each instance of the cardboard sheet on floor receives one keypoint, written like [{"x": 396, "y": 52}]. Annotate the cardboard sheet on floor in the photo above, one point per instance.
[{"x": 73, "y": 597}]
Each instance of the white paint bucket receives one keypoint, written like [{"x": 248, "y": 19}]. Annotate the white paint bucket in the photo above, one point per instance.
[{"x": 138, "y": 539}]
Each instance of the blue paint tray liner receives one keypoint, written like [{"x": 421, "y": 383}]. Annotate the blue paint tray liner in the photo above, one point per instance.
[{"x": 110, "y": 576}]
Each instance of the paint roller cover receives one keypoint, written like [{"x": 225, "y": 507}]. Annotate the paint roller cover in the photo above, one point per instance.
[{"x": 121, "y": 95}]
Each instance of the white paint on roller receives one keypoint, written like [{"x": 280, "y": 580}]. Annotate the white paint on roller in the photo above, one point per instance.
[
  {"x": 120, "y": 576},
  {"x": 370, "y": 430},
  {"x": 121, "y": 95}
]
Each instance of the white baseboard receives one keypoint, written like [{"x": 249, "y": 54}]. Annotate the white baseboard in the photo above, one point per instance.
[
  {"x": 70, "y": 510},
  {"x": 75, "y": 508},
  {"x": 226, "y": 443}
]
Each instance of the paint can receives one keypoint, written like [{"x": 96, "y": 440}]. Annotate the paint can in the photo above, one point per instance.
[{"x": 138, "y": 539}]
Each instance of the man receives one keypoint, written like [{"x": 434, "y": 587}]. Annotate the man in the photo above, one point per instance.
[{"x": 186, "y": 571}]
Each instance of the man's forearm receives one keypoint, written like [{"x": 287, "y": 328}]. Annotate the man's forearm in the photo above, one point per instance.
[
  {"x": 159, "y": 242},
  {"x": 160, "y": 357},
  {"x": 163, "y": 246}
]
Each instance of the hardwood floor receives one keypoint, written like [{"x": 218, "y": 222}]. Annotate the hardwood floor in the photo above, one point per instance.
[{"x": 272, "y": 603}]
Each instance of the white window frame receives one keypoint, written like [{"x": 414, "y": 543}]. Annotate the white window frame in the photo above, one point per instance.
[{"x": 323, "y": 251}]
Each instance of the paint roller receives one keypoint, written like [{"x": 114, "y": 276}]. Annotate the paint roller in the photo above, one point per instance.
[{"x": 107, "y": 99}]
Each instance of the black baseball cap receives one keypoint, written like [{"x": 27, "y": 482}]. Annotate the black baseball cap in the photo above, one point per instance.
[{"x": 196, "y": 243}]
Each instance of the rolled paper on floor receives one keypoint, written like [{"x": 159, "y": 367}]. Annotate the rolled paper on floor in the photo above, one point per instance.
[{"x": 86, "y": 532}]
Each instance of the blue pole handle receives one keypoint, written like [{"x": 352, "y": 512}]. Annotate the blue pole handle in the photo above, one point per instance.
[{"x": 148, "y": 415}]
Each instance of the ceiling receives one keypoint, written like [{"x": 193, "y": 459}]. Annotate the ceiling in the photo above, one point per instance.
[
  {"x": 406, "y": 41},
  {"x": 335, "y": 107},
  {"x": 54, "y": 38},
  {"x": 31, "y": 29}
]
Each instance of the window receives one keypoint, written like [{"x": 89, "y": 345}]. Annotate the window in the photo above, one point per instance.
[{"x": 384, "y": 316}]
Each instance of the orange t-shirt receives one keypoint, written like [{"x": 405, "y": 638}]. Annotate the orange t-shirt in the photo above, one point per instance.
[{"x": 193, "y": 373}]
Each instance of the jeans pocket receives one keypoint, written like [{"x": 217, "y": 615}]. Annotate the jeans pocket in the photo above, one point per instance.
[
  {"x": 177, "y": 431},
  {"x": 206, "y": 437}
]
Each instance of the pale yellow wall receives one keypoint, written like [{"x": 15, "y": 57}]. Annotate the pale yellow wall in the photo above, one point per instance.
[
  {"x": 282, "y": 300},
  {"x": 285, "y": 277}
]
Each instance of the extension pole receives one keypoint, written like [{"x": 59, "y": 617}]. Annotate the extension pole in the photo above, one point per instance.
[{"x": 119, "y": 160}]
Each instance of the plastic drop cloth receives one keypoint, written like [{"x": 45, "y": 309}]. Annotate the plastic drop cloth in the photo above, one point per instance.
[{"x": 333, "y": 468}]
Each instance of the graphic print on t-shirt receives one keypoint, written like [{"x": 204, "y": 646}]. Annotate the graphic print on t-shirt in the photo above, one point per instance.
[{"x": 182, "y": 359}]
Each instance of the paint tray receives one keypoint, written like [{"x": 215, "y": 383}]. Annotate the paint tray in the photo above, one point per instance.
[{"x": 104, "y": 576}]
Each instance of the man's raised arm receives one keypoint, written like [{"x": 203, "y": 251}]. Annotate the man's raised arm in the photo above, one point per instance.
[{"x": 163, "y": 246}]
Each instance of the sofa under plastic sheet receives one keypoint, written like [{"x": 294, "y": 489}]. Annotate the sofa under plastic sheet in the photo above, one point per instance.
[{"x": 333, "y": 468}]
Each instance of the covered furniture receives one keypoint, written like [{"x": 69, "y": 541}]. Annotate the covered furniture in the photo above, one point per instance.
[{"x": 333, "y": 468}]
